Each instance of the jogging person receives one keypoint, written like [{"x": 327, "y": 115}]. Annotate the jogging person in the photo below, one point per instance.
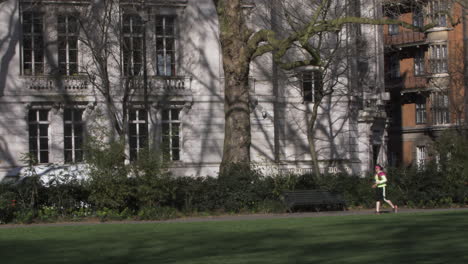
[{"x": 379, "y": 185}]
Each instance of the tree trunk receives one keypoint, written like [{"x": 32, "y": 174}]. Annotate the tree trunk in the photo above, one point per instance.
[
  {"x": 236, "y": 61},
  {"x": 311, "y": 138}
]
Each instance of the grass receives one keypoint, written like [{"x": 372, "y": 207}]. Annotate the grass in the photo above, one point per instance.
[{"x": 436, "y": 237}]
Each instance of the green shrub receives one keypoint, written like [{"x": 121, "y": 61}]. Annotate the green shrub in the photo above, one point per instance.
[
  {"x": 48, "y": 214},
  {"x": 241, "y": 187},
  {"x": 157, "y": 213},
  {"x": 8, "y": 203},
  {"x": 24, "y": 216},
  {"x": 108, "y": 184}
]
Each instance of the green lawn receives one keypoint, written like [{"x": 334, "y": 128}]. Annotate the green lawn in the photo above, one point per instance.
[{"x": 391, "y": 238}]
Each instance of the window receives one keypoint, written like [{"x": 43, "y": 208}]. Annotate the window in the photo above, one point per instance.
[
  {"x": 67, "y": 30},
  {"x": 420, "y": 157},
  {"x": 393, "y": 29},
  {"x": 419, "y": 63},
  {"x": 33, "y": 43},
  {"x": 38, "y": 125},
  {"x": 440, "y": 108},
  {"x": 171, "y": 133},
  {"x": 311, "y": 83},
  {"x": 138, "y": 131},
  {"x": 393, "y": 66},
  {"x": 438, "y": 12},
  {"x": 421, "y": 110},
  {"x": 418, "y": 17},
  {"x": 165, "y": 45},
  {"x": 132, "y": 46},
  {"x": 73, "y": 135},
  {"x": 439, "y": 58}
]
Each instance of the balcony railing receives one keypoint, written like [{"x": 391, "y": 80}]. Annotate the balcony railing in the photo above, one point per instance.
[
  {"x": 411, "y": 82},
  {"x": 163, "y": 84},
  {"x": 407, "y": 37},
  {"x": 53, "y": 83}
]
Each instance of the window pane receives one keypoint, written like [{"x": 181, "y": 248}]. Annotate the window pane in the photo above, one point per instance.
[
  {"x": 44, "y": 157},
  {"x": 142, "y": 142},
  {"x": 32, "y": 130},
  {"x": 68, "y": 156},
  {"x": 143, "y": 129},
  {"x": 68, "y": 130},
  {"x": 165, "y": 115},
  {"x": 175, "y": 114},
  {"x": 175, "y": 129},
  {"x": 32, "y": 115},
  {"x": 132, "y": 114},
  {"x": 175, "y": 142},
  {"x": 33, "y": 143},
  {"x": 43, "y": 115},
  {"x": 165, "y": 129},
  {"x": 142, "y": 115},
  {"x": 78, "y": 156},
  {"x": 43, "y": 130},
  {"x": 78, "y": 142},
  {"x": 67, "y": 143},
  {"x": 132, "y": 129},
  {"x": 43, "y": 143},
  {"x": 175, "y": 154},
  {"x": 133, "y": 142},
  {"x": 77, "y": 114}
]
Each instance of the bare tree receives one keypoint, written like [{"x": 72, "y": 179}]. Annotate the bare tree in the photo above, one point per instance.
[
  {"x": 101, "y": 34},
  {"x": 241, "y": 44}
]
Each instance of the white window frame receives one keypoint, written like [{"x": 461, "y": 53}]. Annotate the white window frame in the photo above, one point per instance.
[
  {"x": 310, "y": 83},
  {"x": 70, "y": 39},
  {"x": 75, "y": 124},
  {"x": 437, "y": 9},
  {"x": 36, "y": 124},
  {"x": 421, "y": 113},
  {"x": 35, "y": 33},
  {"x": 130, "y": 49},
  {"x": 393, "y": 29},
  {"x": 139, "y": 137},
  {"x": 418, "y": 17},
  {"x": 165, "y": 54},
  {"x": 439, "y": 58},
  {"x": 169, "y": 122},
  {"x": 421, "y": 155},
  {"x": 419, "y": 63},
  {"x": 440, "y": 108}
]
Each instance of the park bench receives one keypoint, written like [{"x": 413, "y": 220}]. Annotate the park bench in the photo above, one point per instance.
[{"x": 315, "y": 199}]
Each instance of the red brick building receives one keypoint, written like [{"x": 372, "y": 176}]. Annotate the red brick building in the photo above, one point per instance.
[{"x": 424, "y": 73}]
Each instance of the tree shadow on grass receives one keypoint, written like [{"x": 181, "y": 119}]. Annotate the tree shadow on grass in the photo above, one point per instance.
[{"x": 377, "y": 239}]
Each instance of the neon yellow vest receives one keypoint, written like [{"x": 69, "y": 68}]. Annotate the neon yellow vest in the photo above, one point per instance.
[{"x": 383, "y": 179}]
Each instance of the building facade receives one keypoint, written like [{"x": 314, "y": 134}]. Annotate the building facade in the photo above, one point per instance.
[
  {"x": 425, "y": 77},
  {"x": 152, "y": 72}
]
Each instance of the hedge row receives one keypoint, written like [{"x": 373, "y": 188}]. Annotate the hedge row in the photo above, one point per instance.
[{"x": 166, "y": 196}]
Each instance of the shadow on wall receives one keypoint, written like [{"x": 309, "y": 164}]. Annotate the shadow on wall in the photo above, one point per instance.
[{"x": 8, "y": 43}]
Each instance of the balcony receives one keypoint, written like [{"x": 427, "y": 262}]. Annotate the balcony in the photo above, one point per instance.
[
  {"x": 406, "y": 38},
  {"x": 408, "y": 83},
  {"x": 163, "y": 84},
  {"x": 53, "y": 83}
]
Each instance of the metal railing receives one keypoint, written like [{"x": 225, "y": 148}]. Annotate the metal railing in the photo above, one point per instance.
[
  {"x": 410, "y": 82},
  {"x": 406, "y": 37}
]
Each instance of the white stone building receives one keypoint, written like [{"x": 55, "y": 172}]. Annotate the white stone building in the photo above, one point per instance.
[{"x": 48, "y": 102}]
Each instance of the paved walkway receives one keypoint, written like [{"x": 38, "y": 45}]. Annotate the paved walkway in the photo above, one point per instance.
[{"x": 240, "y": 217}]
